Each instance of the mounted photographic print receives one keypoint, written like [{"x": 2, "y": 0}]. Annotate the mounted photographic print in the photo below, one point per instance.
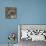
[
  {"x": 10, "y": 12},
  {"x": 32, "y": 32}
]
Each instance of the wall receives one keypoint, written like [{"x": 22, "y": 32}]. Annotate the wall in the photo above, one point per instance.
[{"x": 28, "y": 12}]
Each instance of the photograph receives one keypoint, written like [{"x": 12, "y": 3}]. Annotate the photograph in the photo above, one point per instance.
[
  {"x": 31, "y": 33},
  {"x": 10, "y": 12}
]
